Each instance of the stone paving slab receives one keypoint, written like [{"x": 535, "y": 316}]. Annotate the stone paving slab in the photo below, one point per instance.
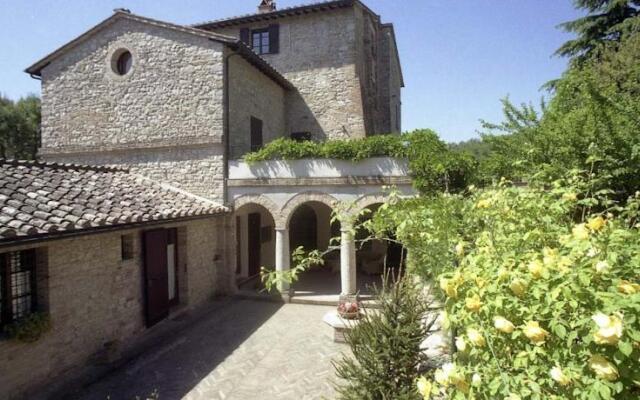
[{"x": 248, "y": 350}]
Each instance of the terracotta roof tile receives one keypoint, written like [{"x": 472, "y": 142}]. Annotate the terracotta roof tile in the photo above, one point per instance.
[{"x": 43, "y": 198}]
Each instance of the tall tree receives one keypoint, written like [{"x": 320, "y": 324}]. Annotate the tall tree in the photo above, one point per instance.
[
  {"x": 607, "y": 21},
  {"x": 19, "y": 127}
]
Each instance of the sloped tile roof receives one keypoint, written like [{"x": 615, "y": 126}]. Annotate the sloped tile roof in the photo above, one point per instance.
[
  {"x": 284, "y": 12},
  {"x": 47, "y": 198}
]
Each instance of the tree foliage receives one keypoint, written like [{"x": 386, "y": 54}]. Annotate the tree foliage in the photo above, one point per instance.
[
  {"x": 605, "y": 24},
  {"x": 593, "y": 114},
  {"x": 19, "y": 127},
  {"x": 385, "y": 346}
]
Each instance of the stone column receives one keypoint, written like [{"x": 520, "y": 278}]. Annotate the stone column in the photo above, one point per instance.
[
  {"x": 347, "y": 261},
  {"x": 283, "y": 255}
]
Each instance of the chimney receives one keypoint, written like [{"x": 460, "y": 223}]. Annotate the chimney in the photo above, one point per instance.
[{"x": 266, "y": 6}]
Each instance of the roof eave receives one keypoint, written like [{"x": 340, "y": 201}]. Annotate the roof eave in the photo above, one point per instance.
[
  {"x": 286, "y": 12},
  {"x": 37, "y": 67},
  {"x": 58, "y": 235},
  {"x": 260, "y": 63}
]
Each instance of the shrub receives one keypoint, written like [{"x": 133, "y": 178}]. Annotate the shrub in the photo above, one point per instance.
[
  {"x": 542, "y": 293},
  {"x": 30, "y": 328},
  {"x": 386, "y": 346},
  {"x": 434, "y": 167}
]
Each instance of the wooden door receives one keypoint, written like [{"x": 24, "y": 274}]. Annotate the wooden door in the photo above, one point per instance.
[
  {"x": 254, "y": 243},
  {"x": 156, "y": 276}
]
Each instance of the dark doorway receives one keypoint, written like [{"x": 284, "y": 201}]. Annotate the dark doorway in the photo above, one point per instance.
[
  {"x": 160, "y": 248},
  {"x": 303, "y": 228},
  {"x": 156, "y": 276},
  {"x": 254, "y": 243}
]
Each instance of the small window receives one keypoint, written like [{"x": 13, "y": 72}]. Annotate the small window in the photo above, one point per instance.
[
  {"x": 126, "y": 247},
  {"x": 17, "y": 285},
  {"x": 301, "y": 136},
  {"x": 122, "y": 62},
  {"x": 256, "y": 134},
  {"x": 260, "y": 41}
]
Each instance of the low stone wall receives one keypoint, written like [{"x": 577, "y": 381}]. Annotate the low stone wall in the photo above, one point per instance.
[{"x": 95, "y": 299}]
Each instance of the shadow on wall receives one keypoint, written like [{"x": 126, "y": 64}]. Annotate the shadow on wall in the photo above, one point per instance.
[{"x": 301, "y": 118}]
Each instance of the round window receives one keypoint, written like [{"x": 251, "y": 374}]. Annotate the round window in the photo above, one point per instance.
[{"x": 123, "y": 61}]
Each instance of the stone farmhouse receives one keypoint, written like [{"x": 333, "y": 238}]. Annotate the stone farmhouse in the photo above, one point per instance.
[{"x": 141, "y": 205}]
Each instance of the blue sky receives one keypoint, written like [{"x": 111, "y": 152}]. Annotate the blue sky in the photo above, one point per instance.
[{"x": 459, "y": 56}]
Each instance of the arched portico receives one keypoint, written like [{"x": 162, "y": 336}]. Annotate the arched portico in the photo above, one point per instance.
[
  {"x": 255, "y": 242},
  {"x": 290, "y": 189}
]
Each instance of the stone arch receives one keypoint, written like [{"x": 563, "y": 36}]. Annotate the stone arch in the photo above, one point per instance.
[
  {"x": 287, "y": 210},
  {"x": 367, "y": 200},
  {"x": 259, "y": 199}
]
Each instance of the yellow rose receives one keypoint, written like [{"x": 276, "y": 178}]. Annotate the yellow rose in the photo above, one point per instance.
[
  {"x": 449, "y": 287},
  {"x": 460, "y": 249},
  {"x": 602, "y": 267},
  {"x": 518, "y": 287},
  {"x": 597, "y": 223},
  {"x": 550, "y": 256},
  {"x": 570, "y": 196},
  {"x": 483, "y": 204},
  {"x": 627, "y": 287},
  {"x": 536, "y": 268},
  {"x": 535, "y": 333},
  {"x": 473, "y": 303},
  {"x": 503, "y": 274},
  {"x": 564, "y": 263},
  {"x": 424, "y": 387},
  {"x": 603, "y": 368},
  {"x": 475, "y": 337},
  {"x": 580, "y": 232},
  {"x": 480, "y": 282},
  {"x": 609, "y": 329},
  {"x": 559, "y": 376},
  {"x": 445, "y": 373},
  {"x": 503, "y": 325},
  {"x": 461, "y": 345}
]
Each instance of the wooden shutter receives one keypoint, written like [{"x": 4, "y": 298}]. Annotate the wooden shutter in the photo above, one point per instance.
[
  {"x": 274, "y": 39},
  {"x": 245, "y": 36},
  {"x": 256, "y": 134}
]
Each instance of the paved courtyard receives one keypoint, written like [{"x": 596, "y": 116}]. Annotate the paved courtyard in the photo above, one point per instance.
[{"x": 242, "y": 351}]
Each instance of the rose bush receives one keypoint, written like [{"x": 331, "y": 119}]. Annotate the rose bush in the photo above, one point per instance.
[{"x": 540, "y": 287}]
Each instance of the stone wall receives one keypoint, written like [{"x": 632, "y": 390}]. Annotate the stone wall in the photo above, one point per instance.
[
  {"x": 94, "y": 298},
  {"x": 253, "y": 94},
  {"x": 317, "y": 55},
  {"x": 151, "y": 118},
  {"x": 379, "y": 73}
]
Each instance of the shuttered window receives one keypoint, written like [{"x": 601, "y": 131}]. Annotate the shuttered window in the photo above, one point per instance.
[
  {"x": 262, "y": 41},
  {"x": 256, "y": 134},
  {"x": 17, "y": 285}
]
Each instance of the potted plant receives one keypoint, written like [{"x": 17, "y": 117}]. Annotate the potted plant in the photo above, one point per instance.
[{"x": 349, "y": 308}]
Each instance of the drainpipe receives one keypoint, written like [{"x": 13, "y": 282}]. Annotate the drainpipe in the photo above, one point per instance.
[{"x": 225, "y": 136}]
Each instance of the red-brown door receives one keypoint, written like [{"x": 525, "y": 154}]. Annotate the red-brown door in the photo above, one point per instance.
[{"x": 156, "y": 276}]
